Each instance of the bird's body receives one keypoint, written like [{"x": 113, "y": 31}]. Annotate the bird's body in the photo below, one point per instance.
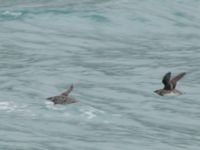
[
  {"x": 60, "y": 99},
  {"x": 163, "y": 92}
]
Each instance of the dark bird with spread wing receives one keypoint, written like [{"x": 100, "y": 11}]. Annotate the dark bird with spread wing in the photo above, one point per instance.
[
  {"x": 63, "y": 98},
  {"x": 170, "y": 84}
]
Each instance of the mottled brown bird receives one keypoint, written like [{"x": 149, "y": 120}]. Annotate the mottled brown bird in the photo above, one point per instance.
[
  {"x": 63, "y": 98},
  {"x": 170, "y": 84}
]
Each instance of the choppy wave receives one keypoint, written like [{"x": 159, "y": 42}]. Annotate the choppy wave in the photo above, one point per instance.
[{"x": 115, "y": 53}]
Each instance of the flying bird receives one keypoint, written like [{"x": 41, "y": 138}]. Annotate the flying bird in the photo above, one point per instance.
[
  {"x": 63, "y": 98},
  {"x": 170, "y": 84}
]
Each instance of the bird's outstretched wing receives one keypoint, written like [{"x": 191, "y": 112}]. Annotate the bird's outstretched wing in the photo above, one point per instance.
[
  {"x": 66, "y": 93},
  {"x": 175, "y": 79},
  {"x": 166, "y": 81}
]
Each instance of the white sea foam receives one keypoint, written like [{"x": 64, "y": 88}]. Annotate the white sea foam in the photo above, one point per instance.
[
  {"x": 7, "y": 106},
  {"x": 50, "y": 105},
  {"x": 90, "y": 112},
  {"x": 11, "y": 13}
]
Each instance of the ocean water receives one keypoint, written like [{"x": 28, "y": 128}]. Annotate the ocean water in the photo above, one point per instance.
[{"x": 115, "y": 52}]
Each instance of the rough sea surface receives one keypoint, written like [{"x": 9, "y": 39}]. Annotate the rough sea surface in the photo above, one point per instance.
[{"x": 115, "y": 52}]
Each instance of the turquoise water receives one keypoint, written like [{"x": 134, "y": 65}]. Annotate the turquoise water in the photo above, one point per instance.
[{"x": 115, "y": 52}]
